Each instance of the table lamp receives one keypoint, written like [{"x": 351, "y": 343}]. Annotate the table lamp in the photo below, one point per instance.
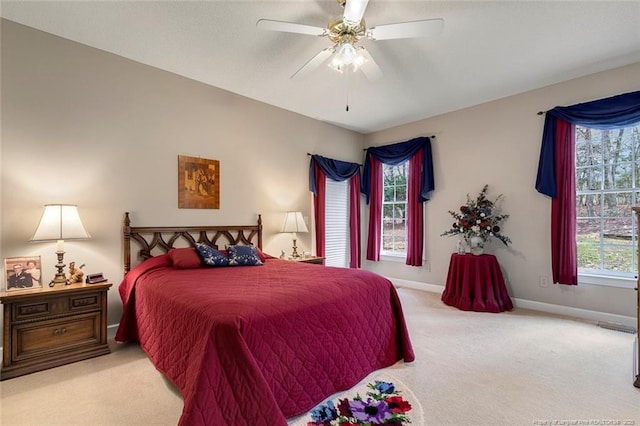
[
  {"x": 293, "y": 223},
  {"x": 60, "y": 222}
]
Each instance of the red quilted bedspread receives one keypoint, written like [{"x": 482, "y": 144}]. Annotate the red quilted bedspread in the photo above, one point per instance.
[{"x": 255, "y": 345}]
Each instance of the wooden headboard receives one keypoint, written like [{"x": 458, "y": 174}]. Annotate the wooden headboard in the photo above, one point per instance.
[{"x": 163, "y": 238}]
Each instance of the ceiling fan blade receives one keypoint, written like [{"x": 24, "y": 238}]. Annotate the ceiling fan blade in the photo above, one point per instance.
[
  {"x": 314, "y": 62},
  {"x": 370, "y": 69},
  {"x": 354, "y": 11},
  {"x": 425, "y": 28},
  {"x": 290, "y": 27}
]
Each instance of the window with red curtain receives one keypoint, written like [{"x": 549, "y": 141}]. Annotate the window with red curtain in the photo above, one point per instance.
[
  {"x": 556, "y": 169},
  {"x": 320, "y": 169},
  {"x": 420, "y": 185}
]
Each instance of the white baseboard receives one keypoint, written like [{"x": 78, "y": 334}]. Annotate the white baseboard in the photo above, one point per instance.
[
  {"x": 416, "y": 285},
  {"x": 585, "y": 314}
]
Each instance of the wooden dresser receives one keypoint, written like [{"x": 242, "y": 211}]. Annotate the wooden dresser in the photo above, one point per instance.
[{"x": 53, "y": 326}]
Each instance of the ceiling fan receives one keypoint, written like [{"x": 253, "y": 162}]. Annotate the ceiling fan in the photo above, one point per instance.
[{"x": 345, "y": 31}]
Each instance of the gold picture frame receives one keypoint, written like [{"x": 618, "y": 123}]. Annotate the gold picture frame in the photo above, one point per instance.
[
  {"x": 198, "y": 183},
  {"x": 23, "y": 273}
]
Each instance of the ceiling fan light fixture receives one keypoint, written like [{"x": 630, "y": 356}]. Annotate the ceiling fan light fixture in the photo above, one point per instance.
[
  {"x": 347, "y": 53},
  {"x": 345, "y": 31}
]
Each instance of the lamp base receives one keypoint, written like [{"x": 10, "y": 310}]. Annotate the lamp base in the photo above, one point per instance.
[
  {"x": 60, "y": 278},
  {"x": 294, "y": 252}
]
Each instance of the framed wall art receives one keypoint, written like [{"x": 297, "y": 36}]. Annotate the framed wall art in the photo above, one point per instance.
[
  {"x": 23, "y": 273},
  {"x": 198, "y": 183}
]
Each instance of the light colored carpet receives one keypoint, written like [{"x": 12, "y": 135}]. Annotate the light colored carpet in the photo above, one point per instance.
[{"x": 513, "y": 368}]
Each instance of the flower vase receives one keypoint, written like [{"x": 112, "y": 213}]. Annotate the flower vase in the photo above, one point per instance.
[{"x": 477, "y": 245}]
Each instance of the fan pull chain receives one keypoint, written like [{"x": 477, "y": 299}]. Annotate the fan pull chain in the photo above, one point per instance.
[{"x": 347, "y": 88}]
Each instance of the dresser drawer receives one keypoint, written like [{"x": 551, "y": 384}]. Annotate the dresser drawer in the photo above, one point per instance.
[
  {"x": 34, "y": 339},
  {"x": 55, "y": 305}
]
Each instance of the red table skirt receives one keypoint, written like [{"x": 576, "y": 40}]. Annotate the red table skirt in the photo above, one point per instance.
[{"x": 475, "y": 283}]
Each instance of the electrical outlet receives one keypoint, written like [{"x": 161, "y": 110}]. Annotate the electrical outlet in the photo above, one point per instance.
[{"x": 544, "y": 281}]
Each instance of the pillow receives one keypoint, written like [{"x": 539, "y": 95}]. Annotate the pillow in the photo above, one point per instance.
[
  {"x": 211, "y": 256},
  {"x": 261, "y": 255},
  {"x": 154, "y": 262},
  {"x": 185, "y": 258},
  {"x": 243, "y": 256}
]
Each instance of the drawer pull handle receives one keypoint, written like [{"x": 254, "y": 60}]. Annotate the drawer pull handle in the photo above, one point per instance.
[{"x": 58, "y": 331}]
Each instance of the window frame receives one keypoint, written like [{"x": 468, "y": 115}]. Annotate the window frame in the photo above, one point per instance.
[
  {"x": 394, "y": 255},
  {"x": 608, "y": 277}
]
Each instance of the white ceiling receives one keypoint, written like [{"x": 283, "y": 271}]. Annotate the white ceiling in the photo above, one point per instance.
[{"x": 488, "y": 49}]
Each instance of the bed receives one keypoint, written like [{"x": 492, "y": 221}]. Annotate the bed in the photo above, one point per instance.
[{"x": 253, "y": 345}]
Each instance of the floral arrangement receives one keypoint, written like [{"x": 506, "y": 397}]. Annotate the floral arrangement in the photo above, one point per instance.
[
  {"x": 383, "y": 406},
  {"x": 480, "y": 217}
]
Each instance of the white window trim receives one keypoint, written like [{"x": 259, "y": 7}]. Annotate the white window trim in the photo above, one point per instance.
[
  {"x": 388, "y": 257},
  {"x": 611, "y": 278},
  {"x": 607, "y": 281},
  {"x": 399, "y": 258}
]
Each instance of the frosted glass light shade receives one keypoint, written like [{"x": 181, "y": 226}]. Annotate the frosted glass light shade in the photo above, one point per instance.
[
  {"x": 294, "y": 222},
  {"x": 60, "y": 222},
  {"x": 346, "y": 54}
]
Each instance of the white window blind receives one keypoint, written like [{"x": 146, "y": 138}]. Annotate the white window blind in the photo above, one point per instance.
[{"x": 337, "y": 223}]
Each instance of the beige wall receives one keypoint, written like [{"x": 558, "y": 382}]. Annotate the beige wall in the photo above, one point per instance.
[
  {"x": 498, "y": 143},
  {"x": 83, "y": 126}
]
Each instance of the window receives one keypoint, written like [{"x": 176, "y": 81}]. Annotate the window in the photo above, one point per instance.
[
  {"x": 394, "y": 209},
  {"x": 336, "y": 248},
  {"x": 607, "y": 186}
]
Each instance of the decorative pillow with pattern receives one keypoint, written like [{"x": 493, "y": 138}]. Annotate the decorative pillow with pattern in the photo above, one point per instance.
[
  {"x": 211, "y": 256},
  {"x": 243, "y": 256}
]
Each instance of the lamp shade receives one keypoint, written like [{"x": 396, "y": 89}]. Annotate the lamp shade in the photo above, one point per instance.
[
  {"x": 60, "y": 222},
  {"x": 294, "y": 222}
]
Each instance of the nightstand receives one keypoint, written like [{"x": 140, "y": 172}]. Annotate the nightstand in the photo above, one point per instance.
[
  {"x": 312, "y": 259},
  {"x": 53, "y": 326}
]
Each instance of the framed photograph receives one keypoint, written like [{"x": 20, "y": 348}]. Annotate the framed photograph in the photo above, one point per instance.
[
  {"x": 23, "y": 273},
  {"x": 198, "y": 183}
]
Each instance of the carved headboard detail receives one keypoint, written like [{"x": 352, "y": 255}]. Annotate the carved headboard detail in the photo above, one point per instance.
[{"x": 163, "y": 238}]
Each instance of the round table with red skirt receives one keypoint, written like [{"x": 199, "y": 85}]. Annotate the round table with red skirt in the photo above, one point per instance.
[{"x": 475, "y": 283}]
